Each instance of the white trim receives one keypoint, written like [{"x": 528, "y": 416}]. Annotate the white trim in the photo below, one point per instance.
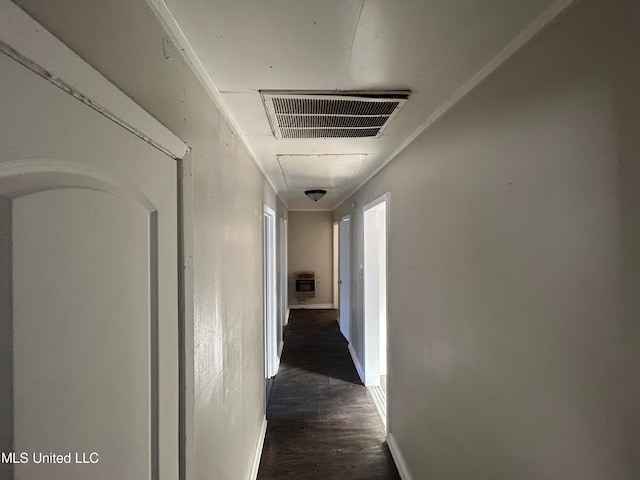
[
  {"x": 399, "y": 460},
  {"x": 280, "y": 348},
  {"x": 186, "y": 276},
  {"x": 270, "y": 304},
  {"x": 312, "y": 306},
  {"x": 276, "y": 364},
  {"x": 546, "y": 17},
  {"x": 268, "y": 210},
  {"x": 373, "y": 291},
  {"x": 356, "y": 362},
  {"x": 286, "y": 319},
  {"x": 344, "y": 276},
  {"x": 253, "y": 475},
  {"x": 379, "y": 398},
  {"x": 172, "y": 28},
  {"x": 385, "y": 197},
  {"x": 283, "y": 300},
  {"x": 335, "y": 264},
  {"x": 28, "y": 42}
]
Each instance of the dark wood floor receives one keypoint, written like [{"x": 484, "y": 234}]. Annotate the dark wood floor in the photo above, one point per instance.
[{"x": 322, "y": 422}]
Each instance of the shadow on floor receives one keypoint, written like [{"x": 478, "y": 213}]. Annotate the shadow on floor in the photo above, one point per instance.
[
  {"x": 322, "y": 422},
  {"x": 312, "y": 335}
]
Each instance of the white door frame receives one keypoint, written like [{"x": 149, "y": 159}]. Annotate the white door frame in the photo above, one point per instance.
[
  {"x": 344, "y": 261},
  {"x": 186, "y": 316},
  {"x": 375, "y": 286},
  {"x": 29, "y": 43},
  {"x": 284, "y": 307},
  {"x": 270, "y": 295},
  {"x": 336, "y": 264}
]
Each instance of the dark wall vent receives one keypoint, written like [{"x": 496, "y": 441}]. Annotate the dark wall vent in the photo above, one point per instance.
[{"x": 331, "y": 114}]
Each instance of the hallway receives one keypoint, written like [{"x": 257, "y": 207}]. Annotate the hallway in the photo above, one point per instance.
[
  {"x": 322, "y": 422},
  {"x": 460, "y": 179}
]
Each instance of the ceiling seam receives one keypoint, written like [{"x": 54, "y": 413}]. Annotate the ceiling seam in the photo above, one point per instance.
[
  {"x": 519, "y": 41},
  {"x": 282, "y": 171},
  {"x": 353, "y": 41},
  {"x": 171, "y": 27}
]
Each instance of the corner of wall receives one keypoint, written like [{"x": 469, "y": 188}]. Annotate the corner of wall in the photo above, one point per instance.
[
  {"x": 253, "y": 475},
  {"x": 356, "y": 362},
  {"x": 399, "y": 460}
]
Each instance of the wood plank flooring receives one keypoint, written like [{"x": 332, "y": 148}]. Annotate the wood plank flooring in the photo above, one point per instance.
[{"x": 322, "y": 424}]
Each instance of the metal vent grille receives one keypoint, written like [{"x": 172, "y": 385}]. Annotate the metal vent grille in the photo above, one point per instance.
[{"x": 331, "y": 115}]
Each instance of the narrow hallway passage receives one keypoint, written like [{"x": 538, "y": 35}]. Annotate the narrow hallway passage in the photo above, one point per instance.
[{"x": 322, "y": 422}]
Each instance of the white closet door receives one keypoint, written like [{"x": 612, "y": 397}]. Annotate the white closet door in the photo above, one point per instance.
[{"x": 94, "y": 361}]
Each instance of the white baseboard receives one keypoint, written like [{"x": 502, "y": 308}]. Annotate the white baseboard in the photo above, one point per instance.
[
  {"x": 258, "y": 454},
  {"x": 280, "y": 347},
  {"x": 277, "y": 365},
  {"x": 379, "y": 397},
  {"x": 356, "y": 362},
  {"x": 312, "y": 306},
  {"x": 401, "y": 464},
  {"x": 286, "y": 319}
]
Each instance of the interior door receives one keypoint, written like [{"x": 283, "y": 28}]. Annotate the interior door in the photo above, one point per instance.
[
  {"x": 270, "y": 299},
  {"x": 283, "y": 281},
  {"x": 90, "y": 280},
  {"x": 345, "y": 283}
]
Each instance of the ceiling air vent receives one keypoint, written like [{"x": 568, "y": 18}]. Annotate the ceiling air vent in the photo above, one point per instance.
[{"x": 331, "y": 114}]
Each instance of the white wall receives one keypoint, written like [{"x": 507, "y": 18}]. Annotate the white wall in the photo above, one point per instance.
[
  {"x": 6, "y": 337},
  {"x": 311, "y": 249},
  {"x": 123, "y": 40},
  {"x": 515, "y": 265}
]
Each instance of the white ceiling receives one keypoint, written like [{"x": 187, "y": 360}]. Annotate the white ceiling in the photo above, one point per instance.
[{"x": 431, "y": 47}]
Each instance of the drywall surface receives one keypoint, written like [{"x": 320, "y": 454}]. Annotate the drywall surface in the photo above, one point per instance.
[
  {"x": 311, "y": 250},
  {"x": 515, "y": 265},
  {"x": 123, "y": 40},
  {"x": 6, "y": 337}
]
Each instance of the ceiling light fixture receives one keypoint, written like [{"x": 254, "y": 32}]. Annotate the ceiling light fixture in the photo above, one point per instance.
[{"x": 315, "y": 195}]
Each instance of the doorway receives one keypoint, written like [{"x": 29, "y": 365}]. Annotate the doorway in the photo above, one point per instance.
[
  {"x": 284, "y": 314},
  {"x": 270, "y": 295},
  {"x": 375, "y": 300},
  {"x": 344, "y": 242},
  {"x": 336, "y": 265}
]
